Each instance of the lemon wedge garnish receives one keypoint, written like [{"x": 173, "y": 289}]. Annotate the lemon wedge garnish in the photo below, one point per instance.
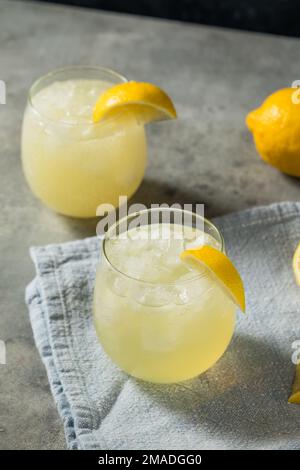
[
  {"x": 296, "y": 264},
  {"x": 295, "y": 396},
  {"x": 146, "y": 101},
  {"x": 222, "y": 269}
]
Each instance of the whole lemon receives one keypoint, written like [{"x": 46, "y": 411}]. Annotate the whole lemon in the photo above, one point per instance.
[{"x": 276, "y": 130}]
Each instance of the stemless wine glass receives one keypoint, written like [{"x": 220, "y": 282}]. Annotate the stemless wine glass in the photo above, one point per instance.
[
  {"x": 71, "y": 163},
  {"x": 157, "y": 319}
]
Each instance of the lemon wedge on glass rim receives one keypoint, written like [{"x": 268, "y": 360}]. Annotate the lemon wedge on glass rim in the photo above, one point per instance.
[
  {"x": 146, "y": 101},
  {"x": 221, "y": 268}
]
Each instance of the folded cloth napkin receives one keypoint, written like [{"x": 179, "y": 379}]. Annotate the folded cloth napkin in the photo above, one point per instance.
[{"x": 241, "y": 403}]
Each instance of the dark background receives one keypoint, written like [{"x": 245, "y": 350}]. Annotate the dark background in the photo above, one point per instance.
[{"x": 270, "y": 16}]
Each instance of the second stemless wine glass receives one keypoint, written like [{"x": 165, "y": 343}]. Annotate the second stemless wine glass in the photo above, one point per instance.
[
  {"x": 72, "y": 164},
  {"x": 155, "y": 318}
]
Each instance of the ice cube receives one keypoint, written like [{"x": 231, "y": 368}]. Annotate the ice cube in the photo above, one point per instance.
[
  {"x": 118, "y": 284},
  {"x": 153, "y": 296}
]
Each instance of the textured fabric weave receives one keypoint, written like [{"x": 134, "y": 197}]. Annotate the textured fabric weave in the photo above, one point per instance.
[{"x": 241, "y": 403}]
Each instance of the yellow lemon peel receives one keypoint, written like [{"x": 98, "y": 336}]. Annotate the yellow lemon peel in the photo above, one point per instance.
[
  {"x": 276, "y": 130},
  {"x": 147, "y": 102},
  {"x": 221, "y": 267}
]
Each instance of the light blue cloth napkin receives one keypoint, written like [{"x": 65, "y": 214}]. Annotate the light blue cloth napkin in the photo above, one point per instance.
[{"x": 241, "y": 403}]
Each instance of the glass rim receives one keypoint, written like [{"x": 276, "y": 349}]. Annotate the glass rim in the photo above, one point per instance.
[
  {"x": 105, "y": 238},
  {"x": 69, "y": 68}
]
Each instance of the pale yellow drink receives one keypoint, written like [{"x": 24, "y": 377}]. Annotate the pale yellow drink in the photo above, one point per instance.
[
  {"x": 72, "y": 164},
  {"x": 155, "y": 318}
]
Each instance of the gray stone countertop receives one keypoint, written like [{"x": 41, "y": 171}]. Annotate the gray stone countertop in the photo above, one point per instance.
[{"x": 215, "y": 77}]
